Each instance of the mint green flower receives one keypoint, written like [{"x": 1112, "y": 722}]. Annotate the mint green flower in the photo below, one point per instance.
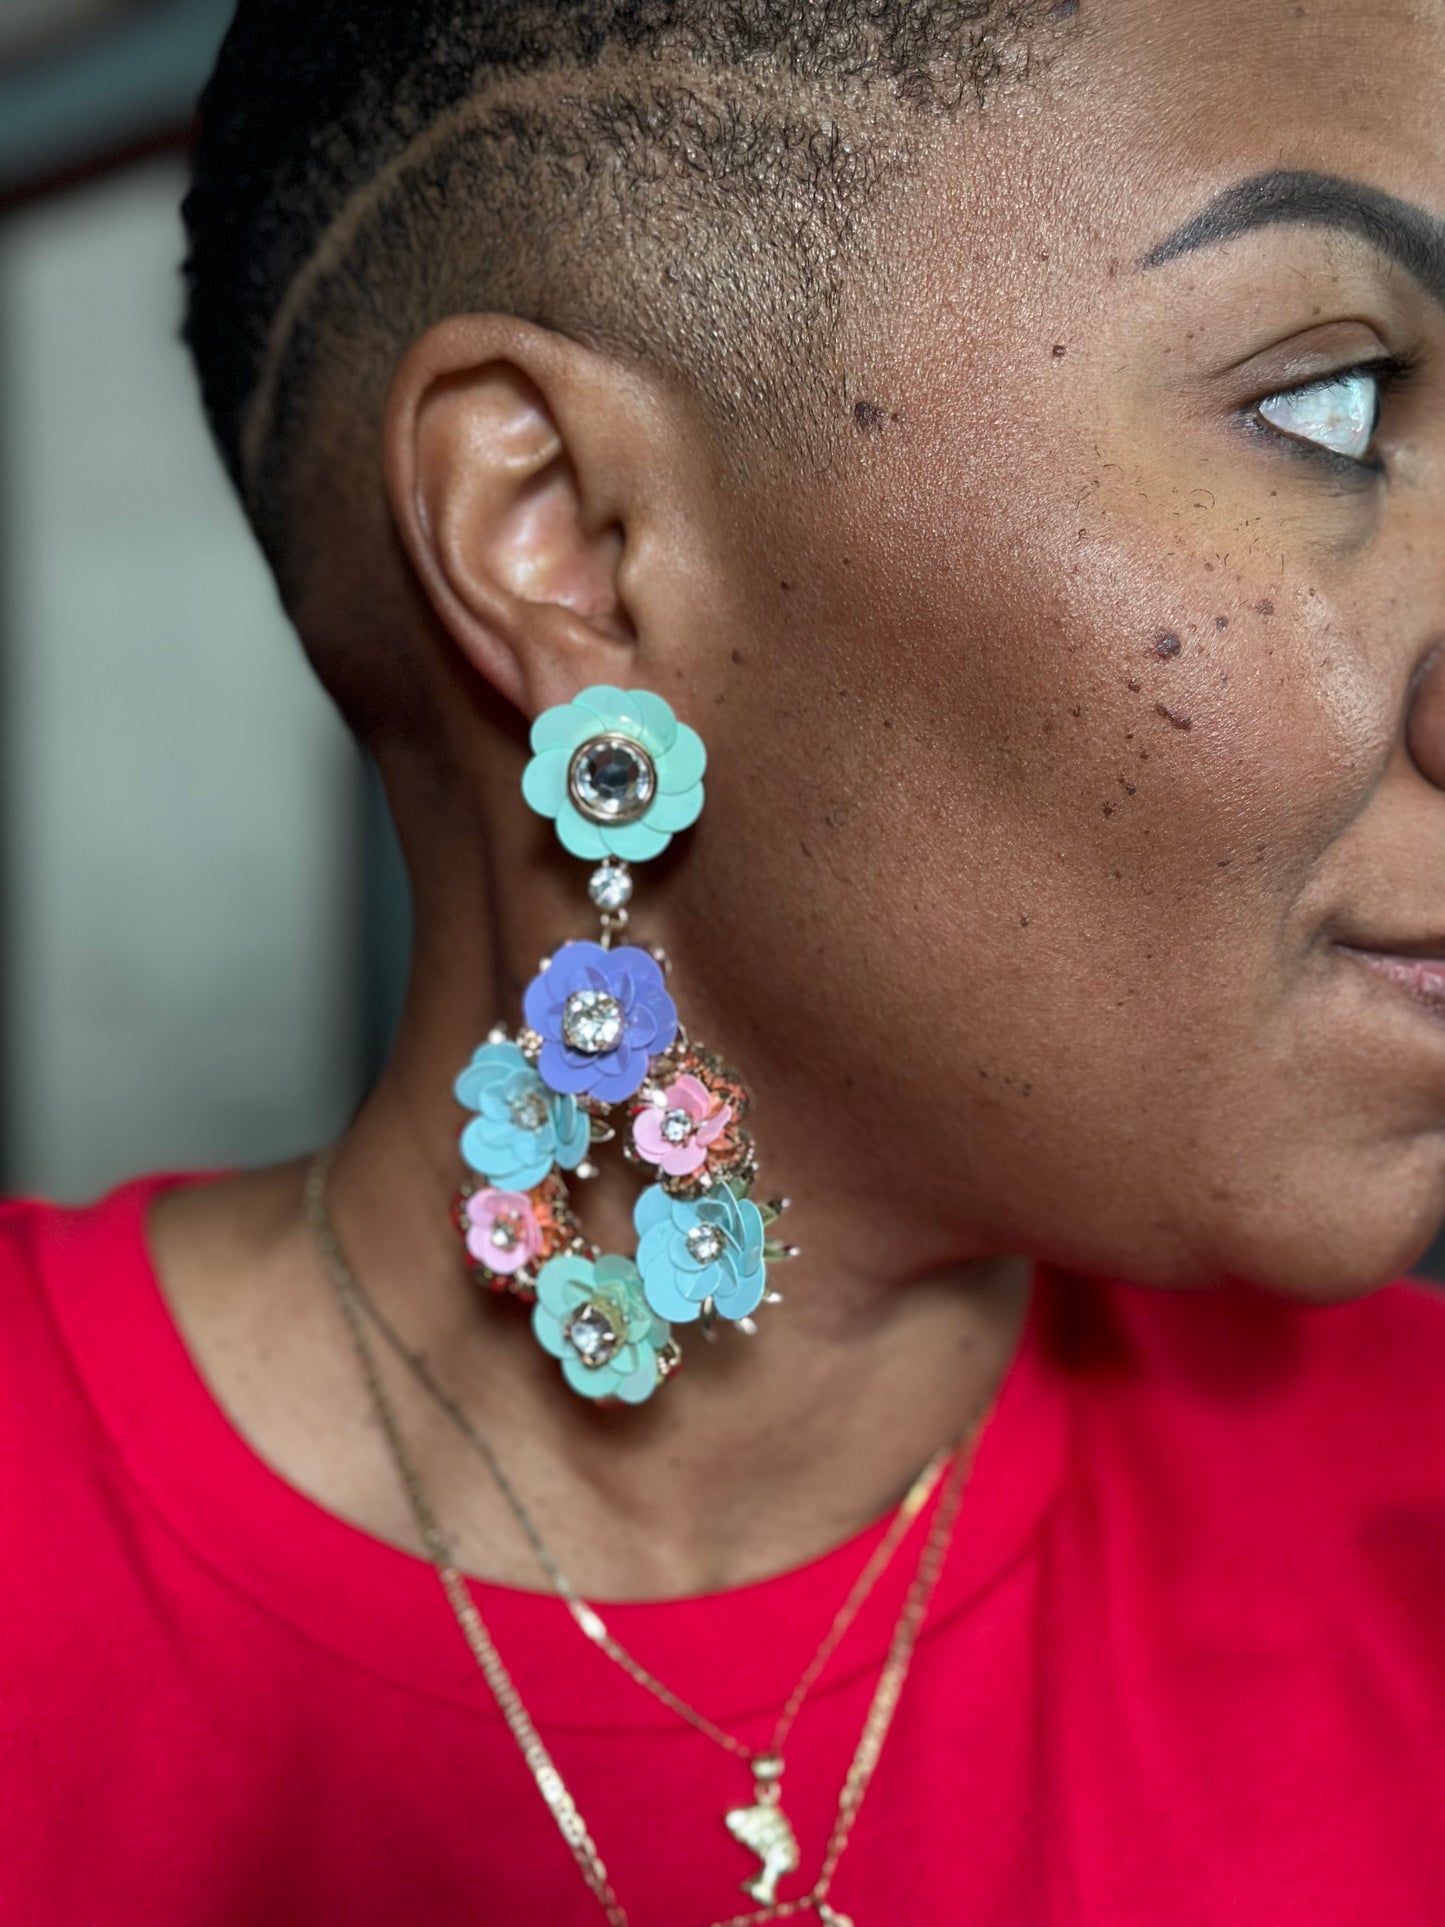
[
  {"x": 593, "y": 1316},
  {"x": 617, "y": 772}
]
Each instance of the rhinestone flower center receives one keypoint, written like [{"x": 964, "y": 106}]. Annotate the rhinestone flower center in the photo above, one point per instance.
[
  {"x": 529, "y": 1112},
  {"x": 506, "y": 1233},
  {"x": 592, "y": 1334},
  {"x": 592, "y": 1022},
  {"x": 677, "y": 1126},
  {"x": 612, "y": 779},
  {"x": 704, "y": 1243}
]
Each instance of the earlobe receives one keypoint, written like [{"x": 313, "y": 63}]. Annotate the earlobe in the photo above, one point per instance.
[{"x": 485, "y": 447}]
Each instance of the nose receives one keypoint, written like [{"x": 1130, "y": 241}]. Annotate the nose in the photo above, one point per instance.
[{"x": 1425, "y": 721}]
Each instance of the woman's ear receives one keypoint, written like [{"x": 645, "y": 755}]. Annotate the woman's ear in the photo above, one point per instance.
[{"x": 500, "y": 456}]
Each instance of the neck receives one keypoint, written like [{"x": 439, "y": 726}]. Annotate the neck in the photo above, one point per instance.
[{"x": 761, "y": 1452}]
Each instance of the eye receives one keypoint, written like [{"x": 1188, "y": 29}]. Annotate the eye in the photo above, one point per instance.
[{"x": 1339, "y": 414}]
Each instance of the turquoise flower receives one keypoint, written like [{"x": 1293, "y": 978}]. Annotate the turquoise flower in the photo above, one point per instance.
[
  {"x": 523, "y": 1129},
  {"x": 594, "y": 1317},
  {"x": 696, "y": 1248},
  {"x": 617, "y": 771}
]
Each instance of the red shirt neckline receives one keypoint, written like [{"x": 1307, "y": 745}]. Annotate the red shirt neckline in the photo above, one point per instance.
[{"x": 334, "y": 1583}]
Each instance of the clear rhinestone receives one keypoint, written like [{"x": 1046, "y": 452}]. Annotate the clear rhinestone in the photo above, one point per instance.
[
  {"x": 529, "y": 1111},
  {"x": 610, "y": 886},
  {"x": 704, "y": 1243},
  {"x": 677, "y": 1126},
  {"x": 612, "y": 779},
  {"x": 505, "y": 1234},
  {"x": 592, "y": 1334},
  {"x": 592, "y": 1021}
]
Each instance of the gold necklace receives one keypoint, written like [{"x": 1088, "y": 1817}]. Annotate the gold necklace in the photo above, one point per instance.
[
  {"x": 762, "y": 1827},
  {"x": 765, "y": 1821}
]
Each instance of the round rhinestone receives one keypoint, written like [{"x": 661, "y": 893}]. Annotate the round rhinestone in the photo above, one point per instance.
[
  {"x": 505, "y": 1234},
  {"x": 592, "y": 1334},
  {"x": 677, "y": 1126},
  {"x": 529, "y": 1111},
  {"x": 610, "y": 886},
  {"x": 704, "y": 1243},
  {"x": 612, "y": 779},
  {"x": 592, "y": 1022}
]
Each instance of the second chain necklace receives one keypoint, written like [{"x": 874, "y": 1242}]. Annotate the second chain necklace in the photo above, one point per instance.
[{"x": 762, "y": 1826}]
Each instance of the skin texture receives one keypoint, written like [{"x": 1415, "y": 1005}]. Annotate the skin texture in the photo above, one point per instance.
[{"x": 1055, "y": 737}]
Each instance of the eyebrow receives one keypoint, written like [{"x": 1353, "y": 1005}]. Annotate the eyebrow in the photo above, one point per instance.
[{"x": 1399, "y": 229}]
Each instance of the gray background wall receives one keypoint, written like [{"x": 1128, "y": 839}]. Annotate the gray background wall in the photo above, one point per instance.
[
  {"x": 179, "y": 800},
  {"x": 202, "y": 920}
]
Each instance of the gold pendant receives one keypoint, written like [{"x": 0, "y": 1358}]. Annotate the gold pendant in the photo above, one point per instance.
[{"x": 763, "y": 1829}]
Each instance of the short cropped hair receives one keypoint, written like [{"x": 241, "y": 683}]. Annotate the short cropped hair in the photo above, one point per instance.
[{"x": 676, "y": 181}]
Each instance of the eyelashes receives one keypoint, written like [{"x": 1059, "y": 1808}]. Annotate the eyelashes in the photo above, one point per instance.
[{"x": 1334, "y": 418}]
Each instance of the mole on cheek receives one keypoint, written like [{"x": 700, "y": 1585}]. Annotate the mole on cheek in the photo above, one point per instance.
[{"x": 1167, "y": 644}]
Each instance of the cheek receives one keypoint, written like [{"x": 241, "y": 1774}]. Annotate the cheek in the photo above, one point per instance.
[{"x": 1047, "y": 859}]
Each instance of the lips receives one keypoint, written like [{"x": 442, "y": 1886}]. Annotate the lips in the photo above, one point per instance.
[{"x": 1418, "y": 970}]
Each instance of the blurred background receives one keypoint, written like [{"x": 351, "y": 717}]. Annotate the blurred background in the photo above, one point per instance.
[
  {"x": 203, "y": 922},
  {"x": 203, "y": 918}
]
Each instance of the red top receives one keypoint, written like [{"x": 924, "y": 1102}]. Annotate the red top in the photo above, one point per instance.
[{"x": 1185, "y": 1668}]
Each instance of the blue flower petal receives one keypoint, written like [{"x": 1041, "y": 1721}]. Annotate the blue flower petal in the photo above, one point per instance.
[
  {"x": 577, "y": 960},
  {"x": 754, "y": 1234},
  {"x": 619, "y": 1075},
  {"x": 741, "y": 1295},
  {"x": 565, "y": 1071},
  {"x": 537, "y": 1000},
  {"x": 682, "y": 1260},
  {"x": 653, "y": 1207},
  {"x": 488, "y": 1061},
  {"x": 507, "y": 1166},
  {"x": 668, "y": 1302},
  {"x": 573, "y": 1132},
  {"x": 654, "y": 1261}
]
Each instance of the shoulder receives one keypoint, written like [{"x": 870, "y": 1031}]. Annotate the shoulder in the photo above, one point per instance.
[
  {"x": 26, "y": 1227},
  {"x": 62, "y": 1266}
]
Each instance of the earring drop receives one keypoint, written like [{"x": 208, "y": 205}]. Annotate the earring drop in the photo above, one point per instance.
[{"x": 602, "y": 1057}]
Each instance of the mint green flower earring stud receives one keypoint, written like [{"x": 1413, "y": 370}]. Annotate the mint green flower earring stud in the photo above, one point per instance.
[
  {"x": 600, "y": 1040},
  {"x": 617, "y": 772}
]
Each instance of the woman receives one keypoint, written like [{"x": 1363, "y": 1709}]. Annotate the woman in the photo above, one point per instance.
[{"x": 1009, "y": 438}]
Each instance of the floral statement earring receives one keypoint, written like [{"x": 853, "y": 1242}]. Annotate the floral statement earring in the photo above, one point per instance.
[{"x": 619, "y": 775}]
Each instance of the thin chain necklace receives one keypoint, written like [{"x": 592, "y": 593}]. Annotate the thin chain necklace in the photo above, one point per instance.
[
  {"x": 766, "y": 1763},
  {"x": 761, "y": 1827}
]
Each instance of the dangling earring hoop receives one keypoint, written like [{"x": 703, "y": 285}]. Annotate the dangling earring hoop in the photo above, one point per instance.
[{"x": 620, "y": 776}]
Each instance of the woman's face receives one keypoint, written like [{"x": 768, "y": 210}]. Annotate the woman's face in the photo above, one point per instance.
[{"x": 1096, "y": 702}]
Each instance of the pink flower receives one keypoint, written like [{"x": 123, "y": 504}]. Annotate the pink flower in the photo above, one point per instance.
[
  {"x": 675, "y": 1133},
  {"x": 502, "y": 1230}
]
